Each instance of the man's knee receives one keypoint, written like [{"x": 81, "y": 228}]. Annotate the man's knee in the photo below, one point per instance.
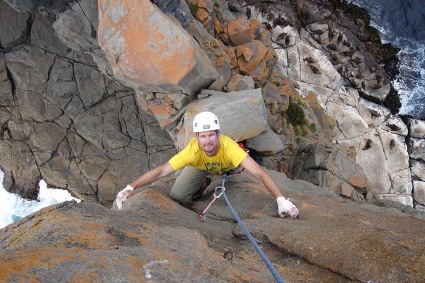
[
  {"x": 182, "y": 200},
  {"x": 176, "y": 196}
]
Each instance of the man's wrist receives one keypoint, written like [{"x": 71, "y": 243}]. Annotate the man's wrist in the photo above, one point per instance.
[{"x": 129, "y": 187}]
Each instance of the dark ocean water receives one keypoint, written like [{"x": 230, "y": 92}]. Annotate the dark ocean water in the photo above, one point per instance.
[{"x": 402, "y": 23}]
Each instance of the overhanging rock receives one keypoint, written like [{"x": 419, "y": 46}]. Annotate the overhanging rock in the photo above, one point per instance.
[{"x": 242, "y": 114}]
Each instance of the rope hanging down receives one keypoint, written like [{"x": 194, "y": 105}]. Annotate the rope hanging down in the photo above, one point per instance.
[{"x": 201, "y": 218}]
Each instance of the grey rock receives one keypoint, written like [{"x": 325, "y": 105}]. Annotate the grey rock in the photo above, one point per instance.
[
  {"x": 18, "y": 31},
  {"x": 6, "y": 97},
  {"x": 418, "y": 169},
  {"x": 242, "y": 114},
  {"x": 36, "y": 6},
  {"x": 33, "y": 106},
  {"x": 418, "y": 149},
  {"x": 419, "y": 192},
  {"x": 267, "y": 143},
  {"x": 21, "y": 174},
  {"x": 417, "y": 128}
]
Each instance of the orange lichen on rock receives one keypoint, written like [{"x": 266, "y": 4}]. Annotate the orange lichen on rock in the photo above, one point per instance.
[
  {"x": 239, "y": 31},
  {"x": 162, "y": 201},
  {"x": 140, "y": 42}
]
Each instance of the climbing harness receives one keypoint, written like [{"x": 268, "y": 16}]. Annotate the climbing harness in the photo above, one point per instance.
[{"x": 201, "y": 218}]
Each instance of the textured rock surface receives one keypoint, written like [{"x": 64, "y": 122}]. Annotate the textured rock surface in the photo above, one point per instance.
[
  {"x": 154, "y": 238},
  {"x": 85, "y": 118}
]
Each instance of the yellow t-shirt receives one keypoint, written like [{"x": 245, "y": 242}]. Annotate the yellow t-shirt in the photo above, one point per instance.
[{"x": 229, "y": 156}]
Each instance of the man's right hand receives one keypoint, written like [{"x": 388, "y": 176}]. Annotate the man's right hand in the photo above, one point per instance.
[{"x": 123, "y": 195}]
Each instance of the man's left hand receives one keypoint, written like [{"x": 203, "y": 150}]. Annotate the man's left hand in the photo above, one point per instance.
[{"x": 286, "y": 208}]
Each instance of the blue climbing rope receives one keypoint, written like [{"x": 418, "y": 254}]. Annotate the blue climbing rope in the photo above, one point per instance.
[{"x": 254, "y": 243}]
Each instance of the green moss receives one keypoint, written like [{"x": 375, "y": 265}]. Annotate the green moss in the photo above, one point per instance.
[
  {"x": 193, "y": 7},
  {"x": 295, "y": 114},
  {"x": 218, "y": 10},
  {"x": 312, "y": 127}
]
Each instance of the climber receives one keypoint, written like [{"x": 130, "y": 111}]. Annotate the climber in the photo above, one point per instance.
[{"x": 209, "y": 151}]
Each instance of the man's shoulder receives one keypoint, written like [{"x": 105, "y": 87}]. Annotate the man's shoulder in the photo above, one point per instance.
[
  {"x": 225, "y": 138},
  {"x": 228, "y": 142}
]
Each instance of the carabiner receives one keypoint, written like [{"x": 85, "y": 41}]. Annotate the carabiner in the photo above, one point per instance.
[{"x": 222, "y": 190}]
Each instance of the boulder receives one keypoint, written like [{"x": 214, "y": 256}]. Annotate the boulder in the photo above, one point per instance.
[
  {"x": 418, "y": 169},
  {"x": 239, "y": 82},
  {"x": 266, "y": 143},
  {"x": 259, "y": 68},
  {"x": 139, "y": 41},
  {"x": 417, "y": 128},
  {"x": 406, "y": 200},
  {"x": 166, "y": 108},
  {"x": 242, "y": 114},
  {"x": 417, "y": 149},
  {"x": 419, "y": 192},
  {"x": 239, "y": 31}
]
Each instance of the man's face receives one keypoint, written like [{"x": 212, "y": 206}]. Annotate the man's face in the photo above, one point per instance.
[{"x": 209, "y": 142}]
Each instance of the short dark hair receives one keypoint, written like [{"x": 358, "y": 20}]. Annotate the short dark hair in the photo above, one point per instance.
[{"x": 216, "y": 131}]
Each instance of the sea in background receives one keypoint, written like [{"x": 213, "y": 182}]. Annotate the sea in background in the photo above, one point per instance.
[
  {"x": 402, "y": 23},
  {"x": 13, "y": 207}
]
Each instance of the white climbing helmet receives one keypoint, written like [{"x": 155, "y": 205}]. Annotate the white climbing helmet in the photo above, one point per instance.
[{"x": 205, "y": 121}]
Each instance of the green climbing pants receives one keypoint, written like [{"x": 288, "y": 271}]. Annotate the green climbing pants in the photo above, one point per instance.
[{"x": 187, "y": 183}]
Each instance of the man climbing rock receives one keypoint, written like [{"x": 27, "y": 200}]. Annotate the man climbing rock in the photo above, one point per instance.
[{"x": 208, "y": 152}]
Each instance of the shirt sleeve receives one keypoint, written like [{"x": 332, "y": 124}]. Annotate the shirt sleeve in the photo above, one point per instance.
[{"x": 183, "y": 158}]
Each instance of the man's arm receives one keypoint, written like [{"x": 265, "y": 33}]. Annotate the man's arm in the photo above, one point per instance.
[
  {"x": 285, "y": 207},
  {"x": 147, "y": 178},
  {"x": 152, "y": 175},
  {"x": 249, "y": 164}
]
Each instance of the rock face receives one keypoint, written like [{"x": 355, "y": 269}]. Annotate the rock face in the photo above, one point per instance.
[
  {"x": 154, "y": 239},
  {"x": 68, "y": 123},
  {"x": 331, "y": 167},
  {"x": 335, "y": 56},
  {"x": 93, "y": 93}
]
